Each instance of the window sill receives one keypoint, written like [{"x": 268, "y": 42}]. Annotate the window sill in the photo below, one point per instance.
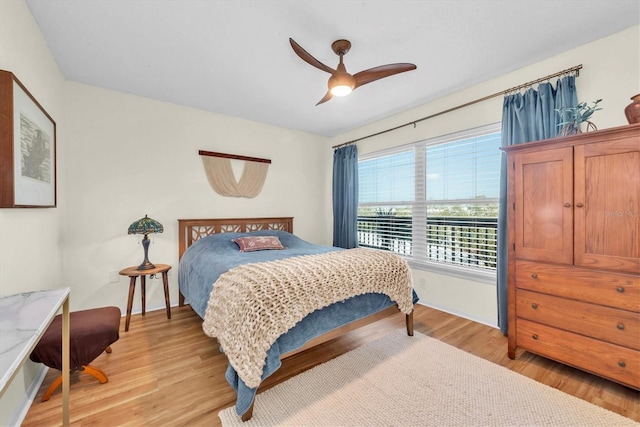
[{"x": 477, "y": 275}]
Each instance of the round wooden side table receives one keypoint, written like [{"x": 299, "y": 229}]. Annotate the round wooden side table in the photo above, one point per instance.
[{"x": 133, "y": 273}]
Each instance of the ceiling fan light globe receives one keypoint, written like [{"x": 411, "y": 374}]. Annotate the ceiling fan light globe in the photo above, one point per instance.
[
  {"x": 341, "y": 90},
  {"x": 341, "y": 84}
]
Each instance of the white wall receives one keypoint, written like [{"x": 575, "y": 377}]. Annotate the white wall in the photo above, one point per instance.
[
  {"x": 30, "y": 239},
  {"x": 611, "y": 71},
  {"x": 130, "y": 156}
]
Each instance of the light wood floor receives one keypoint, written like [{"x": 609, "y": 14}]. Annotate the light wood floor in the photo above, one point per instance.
[{"x": 168, "y": 373}]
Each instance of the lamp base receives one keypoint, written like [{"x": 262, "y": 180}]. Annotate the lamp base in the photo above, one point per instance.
[{"x": 146, "y": 265}]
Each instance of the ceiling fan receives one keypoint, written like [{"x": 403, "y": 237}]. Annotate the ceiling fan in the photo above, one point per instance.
[{"x": 342, "y": 83}]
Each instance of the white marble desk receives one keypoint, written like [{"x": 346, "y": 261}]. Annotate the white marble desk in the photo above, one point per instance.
[{"x": 24, "y": 318}]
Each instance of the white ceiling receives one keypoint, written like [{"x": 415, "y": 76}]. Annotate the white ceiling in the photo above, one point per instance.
[{"x": 234, "y": 57}]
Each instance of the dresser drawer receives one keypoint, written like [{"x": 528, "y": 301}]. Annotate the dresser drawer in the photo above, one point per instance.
[
  {"x": 608, "y": 360},
  {"x": 604, "y": 323},
  {"x": 598, "y": 287}
]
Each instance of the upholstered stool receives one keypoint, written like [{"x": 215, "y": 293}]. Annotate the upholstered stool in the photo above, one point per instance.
[{"x": 90, "y": 333}]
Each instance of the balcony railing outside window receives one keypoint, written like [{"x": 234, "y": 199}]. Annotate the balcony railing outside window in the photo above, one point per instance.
[
  {"x": 391, "y": 233},
  {"x": 465, "y": 241}
]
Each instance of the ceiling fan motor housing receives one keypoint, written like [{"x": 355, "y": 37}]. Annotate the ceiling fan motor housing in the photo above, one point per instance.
[{"x": 342, "y": 83}]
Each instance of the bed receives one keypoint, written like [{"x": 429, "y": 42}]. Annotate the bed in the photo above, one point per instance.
[{"x": 208, "y": 256}]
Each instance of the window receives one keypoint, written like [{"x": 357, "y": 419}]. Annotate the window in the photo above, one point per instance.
[{"x": 435, "y": 201}]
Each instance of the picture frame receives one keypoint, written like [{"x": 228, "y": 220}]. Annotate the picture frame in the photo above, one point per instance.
[{"x": 27, "y": 148}]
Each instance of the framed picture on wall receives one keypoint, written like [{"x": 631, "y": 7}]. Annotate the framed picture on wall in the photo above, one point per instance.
[{"x": 27, "y": 148}]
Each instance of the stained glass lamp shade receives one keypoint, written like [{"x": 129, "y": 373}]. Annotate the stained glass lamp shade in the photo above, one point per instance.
[{"x": 146, "y": 226}]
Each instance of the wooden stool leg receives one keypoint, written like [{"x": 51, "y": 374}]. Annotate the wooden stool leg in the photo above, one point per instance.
[
  {"x": 143, "y": 289},
  {"x": 165, "y": 281},
  {"x": 52, "y": 388},
  {"x": 91, "y": 370},
  {"x": 96, "y": 373},
  {"x": 132, "y": 288}
]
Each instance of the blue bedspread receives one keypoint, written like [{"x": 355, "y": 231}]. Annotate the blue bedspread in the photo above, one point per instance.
[{"x": 207, "y": 258}]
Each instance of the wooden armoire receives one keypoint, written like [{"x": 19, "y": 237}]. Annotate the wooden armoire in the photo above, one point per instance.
[{"x": 574, "y": 251}]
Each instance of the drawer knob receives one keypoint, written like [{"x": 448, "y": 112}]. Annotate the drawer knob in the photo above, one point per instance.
[
  {"x": 620, "y": 326},
  {"x": 620, "y": 289},
  {"x": 534, "y": 275},
  {"x": 567, "y": 205},
  {"x": 534, "y": 336},
  {"x": 534, "y": 305},
  {"x": 579, "y": 205},
  {"x": 622, "y": 364}
]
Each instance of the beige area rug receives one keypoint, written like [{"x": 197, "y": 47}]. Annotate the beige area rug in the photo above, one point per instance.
[{"x": 417, "y": 381}]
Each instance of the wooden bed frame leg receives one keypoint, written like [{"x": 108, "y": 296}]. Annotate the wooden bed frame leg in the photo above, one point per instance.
[
  {"x": 247, "y": 415},
  {"x": 180, "y": 299},
  {"x": 410, "y": 324}
]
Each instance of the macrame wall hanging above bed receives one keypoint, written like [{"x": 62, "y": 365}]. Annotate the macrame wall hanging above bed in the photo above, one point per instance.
[{"x": 221, "y": 178}]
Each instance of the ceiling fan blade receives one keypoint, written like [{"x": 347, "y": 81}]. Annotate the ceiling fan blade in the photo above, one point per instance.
[
  {"x": 306, "y": 57},
  {"x": 376, "y": 73},
  {"x": 327, "y": 97}
]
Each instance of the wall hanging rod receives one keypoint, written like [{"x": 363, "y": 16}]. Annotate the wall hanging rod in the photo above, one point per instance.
[
  {"x": 232, "y": 156},
  {"x": 575, "y": 69}
]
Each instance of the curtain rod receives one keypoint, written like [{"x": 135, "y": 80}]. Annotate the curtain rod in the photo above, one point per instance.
[
  {"x": 575, "y": 69},
  {"x": 233, "y": 156}
]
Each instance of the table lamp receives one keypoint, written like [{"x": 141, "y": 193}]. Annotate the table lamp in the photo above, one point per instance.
[{"x": 146, "y": 226}]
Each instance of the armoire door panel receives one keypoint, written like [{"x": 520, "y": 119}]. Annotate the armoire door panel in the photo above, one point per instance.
[
  {"x": 607, "y": 200},
  {"x": 544, "y": 206}
]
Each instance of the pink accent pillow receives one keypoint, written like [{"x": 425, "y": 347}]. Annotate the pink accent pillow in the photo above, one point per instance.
[{"x": 258, "y": 243}]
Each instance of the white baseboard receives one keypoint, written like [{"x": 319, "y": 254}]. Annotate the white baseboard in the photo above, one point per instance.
[
  {"x": 463, "y": 315},
  {"x": 149, "y": 309},
  {"x": 22, "y": 409}
]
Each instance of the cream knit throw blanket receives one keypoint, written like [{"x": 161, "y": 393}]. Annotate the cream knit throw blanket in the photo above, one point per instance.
[{"x": 252, "y": 305}]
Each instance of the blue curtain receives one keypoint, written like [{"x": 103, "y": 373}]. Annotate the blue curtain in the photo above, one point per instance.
[
  {"x": 345, "y": 197},
  {"x": 526, "y": 117}
]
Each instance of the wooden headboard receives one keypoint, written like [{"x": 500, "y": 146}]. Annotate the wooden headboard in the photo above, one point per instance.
[{"x": 190, "y": 230}]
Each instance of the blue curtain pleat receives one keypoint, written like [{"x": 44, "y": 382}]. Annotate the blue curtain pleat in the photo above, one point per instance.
[
  {"x": 345, "y": 197},
  {"x": 545, "y": 114},
  {"x": 567, "y": 95},
  {"x": 526, "y": 117},
  {"x": 524, "y": 114}
]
